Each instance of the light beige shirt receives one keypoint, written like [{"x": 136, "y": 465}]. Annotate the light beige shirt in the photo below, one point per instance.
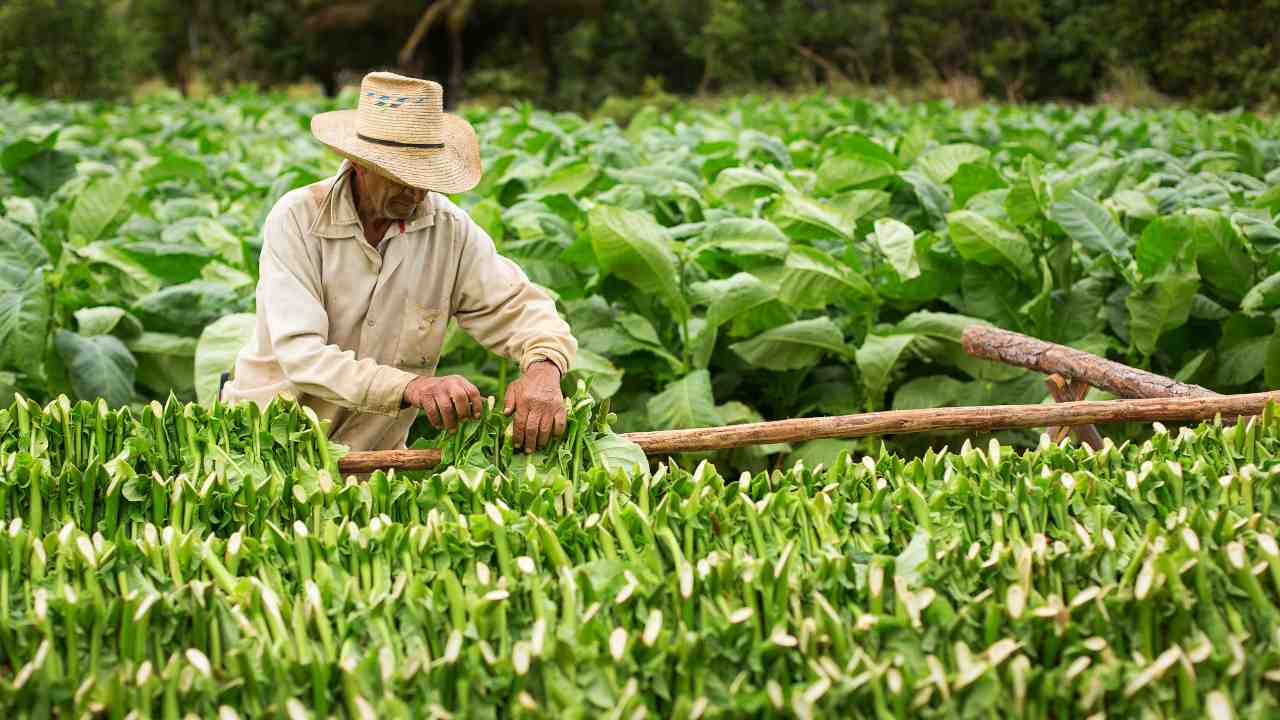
[{"x": 343, "y": 327}]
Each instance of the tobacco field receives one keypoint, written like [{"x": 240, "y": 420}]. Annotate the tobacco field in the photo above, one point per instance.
[
  {"x": 755, "y": 259},
  {"x": 163, "y": 555}
]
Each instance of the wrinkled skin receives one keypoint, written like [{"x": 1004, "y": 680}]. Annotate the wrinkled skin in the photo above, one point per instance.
[
  {"x": 534, "y": 398},
  {"x": 381, "y": 201},
  {"x": 538, "y": 405}
]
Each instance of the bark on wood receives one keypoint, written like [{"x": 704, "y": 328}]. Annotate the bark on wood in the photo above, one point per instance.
[
  {"x": 973, "y": 419},
  {"x": 354, "y": 463},
  {"x": 1064, "y": 390},
  {"x": 1021, "y": 350}
]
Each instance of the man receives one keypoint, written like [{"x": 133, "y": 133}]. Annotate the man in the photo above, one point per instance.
[{"x": 360, "y": 274}]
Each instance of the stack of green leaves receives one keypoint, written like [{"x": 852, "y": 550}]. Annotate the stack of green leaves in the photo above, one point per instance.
[{"x": 212, "y": 563}]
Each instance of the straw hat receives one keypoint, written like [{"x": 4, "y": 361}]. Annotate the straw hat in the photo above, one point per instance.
[{"x": 400, "y": 129}]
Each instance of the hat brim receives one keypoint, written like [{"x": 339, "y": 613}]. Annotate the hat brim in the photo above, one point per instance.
[{"x": 454, "y": 168}]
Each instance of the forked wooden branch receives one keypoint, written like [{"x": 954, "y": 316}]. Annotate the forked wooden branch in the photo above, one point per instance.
[
  {"x": 1013, "y": 348},
  {"x": 893, "y": 422},
  {"x": 1064, "y": 390}
]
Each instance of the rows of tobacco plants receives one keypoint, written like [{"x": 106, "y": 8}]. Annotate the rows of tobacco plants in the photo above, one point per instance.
[
  {"x": 181, "y": 560},
  {"x": 718, "y": 264}
]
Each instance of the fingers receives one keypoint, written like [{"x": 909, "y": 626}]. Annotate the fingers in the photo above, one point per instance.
[
  {"x": 448, "y": 415},
  {"x": 544, "y": 430},
  {"x": 518, "y": 426},
  {"x": 476, "y": 401},
  {"x": 562, "y": 418},
  {"x": 509, "y": 402},
  {"x": 530, "y": 434},
  {"x": 460, "y": 402},
  {"x": 428, "y": 404}
]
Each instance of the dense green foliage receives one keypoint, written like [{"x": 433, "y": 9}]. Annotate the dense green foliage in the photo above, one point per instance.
[
  {"x": 771, "y": 259},
  {"x": 575, "y": 53},
  {"x": 185, "y": 560}
]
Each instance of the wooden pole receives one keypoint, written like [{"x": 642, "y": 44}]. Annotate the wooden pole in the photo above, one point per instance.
[
  {"x": 893, "y": 422},
  {"x": 1013, "y": 348},
  {"x": 367, "y": 461}
]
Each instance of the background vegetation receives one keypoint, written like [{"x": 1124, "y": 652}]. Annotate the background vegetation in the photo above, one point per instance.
[{"x": 574, "y": 54}]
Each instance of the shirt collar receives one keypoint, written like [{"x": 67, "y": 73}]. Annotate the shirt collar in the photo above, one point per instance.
[{"x": 337, "y": 217}]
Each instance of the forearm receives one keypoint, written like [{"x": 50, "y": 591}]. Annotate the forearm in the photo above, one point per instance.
[{"x": 334, "y": 375}]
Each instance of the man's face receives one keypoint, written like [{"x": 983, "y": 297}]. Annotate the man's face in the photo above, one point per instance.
[{"x": 386, "y": 198}]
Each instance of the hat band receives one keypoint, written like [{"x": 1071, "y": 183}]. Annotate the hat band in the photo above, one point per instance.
[{"x": 394, "y": 143}]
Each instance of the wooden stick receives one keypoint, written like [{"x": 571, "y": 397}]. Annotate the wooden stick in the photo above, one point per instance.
[
  {"x": 1013, "y": 348},
  {"x": 367, "y": 461},
  {"x": 974, "y": 419}
]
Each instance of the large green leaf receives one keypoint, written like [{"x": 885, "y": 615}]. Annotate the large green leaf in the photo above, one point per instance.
[
  {"x": 1028, "y": 194},
  {"x": 930, "y": 391},
  {"x": 96, "y": 207},
  {"x": 933, "y": 197},
  {"x": 941, "y": 163},
  {"x": 812, "y": 279},
  {"x": 616, "y": 453},
  {"x": 634, "y": 247},
  {"x": 25, "y": 310},
  {"x": 685, "y": 403},
  {"x": 1090, "y": 224},
  {"x": 1271, "y": 371},
  {"x": 741, "y": 187},
  {"x": 25, "y": 300},
  {"x": 207, "y": 232},
  {"x": 848, "y": 170},
  {"x": 166, "y": 363},
  {"x": 897, "y": 241},
  {"x": 98, "y": 367},
  {"x": 603, "y": 377},
  {"x": 974, "y": 179},
  {"x": 216, "y": 352},
  {"x": 989, "y": 242},
  {"x": 20, "y": 253},
  {"x": 793, "y": 346},
  {"x": 1161, "y": 304},
  {"x": 1221, "y": 254},
  {"x": 1263, "y": 296},
  {"x": 944, "y": 326},
  {"x": 172, "y": 264},
  {"x": 1242, "y": 350},
  {"x": 1208, "y": 236},
  {"x": 877, "y": 357},
  {"x": 738, "y": 237},
  {"x": 804, "y": 218},
  {"x": 186, "y": 309},
  {"x": 37, "y": 166},
  {"x": 8, "y": 387},
  {"x": 743, "y": 300},
  {"x": 107, "y": 320}
]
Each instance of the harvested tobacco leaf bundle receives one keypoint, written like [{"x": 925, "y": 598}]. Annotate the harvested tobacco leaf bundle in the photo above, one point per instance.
[{"x": 1138, "y": 580}]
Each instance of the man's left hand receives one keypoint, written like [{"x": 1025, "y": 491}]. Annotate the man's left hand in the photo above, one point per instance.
[{"x": 538, "y": 405}]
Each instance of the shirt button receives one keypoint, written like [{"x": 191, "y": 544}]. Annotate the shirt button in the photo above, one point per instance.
[{"x": 371, "y": 323}]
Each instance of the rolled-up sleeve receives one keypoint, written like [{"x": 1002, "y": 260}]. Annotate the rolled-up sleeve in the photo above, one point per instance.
[
  {"x": 495, "y": 303},
  {"x": 298, "y": 326}
]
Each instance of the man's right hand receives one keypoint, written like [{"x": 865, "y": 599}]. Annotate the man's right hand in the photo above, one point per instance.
[{"x": 447, "y": 400}]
